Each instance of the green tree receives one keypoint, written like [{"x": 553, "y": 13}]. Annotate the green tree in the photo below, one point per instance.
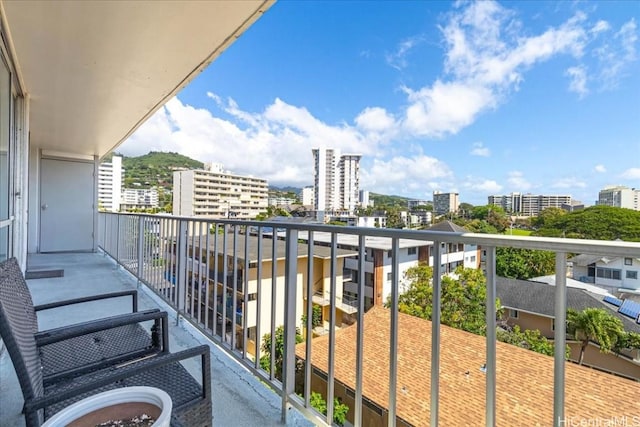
[
  {"x": 529, "y": 339},
  {"x": 627, "y": 340},
  {"x": 265, "y": 359},
  {"x": 478, "y": 226},
  {"x": 340, "y": 410},
  {"x": 482, "y": 212},
  {"x": 594, "y": 324},
  {"x": 547, "y": 216},
  {"x": 596, "y": 222},
  {"x": 462, "y": 301},
  {"x": 271, "y": 212},
  {"x": 524, "y": 263},
  {"x": 394, "y": 220}
]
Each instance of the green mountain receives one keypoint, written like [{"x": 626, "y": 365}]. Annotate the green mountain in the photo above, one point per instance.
[
  {"x": 155, "y": 169},
  {"x": 383, "y": 200}
]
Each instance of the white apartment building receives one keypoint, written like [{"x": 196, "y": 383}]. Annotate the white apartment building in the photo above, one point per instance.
[
  {"x": 529, "y": 204},
  {"x": 378, "y": 263},
  {"x": 139, "y": 198},
  {"x": 444, "y": 203},
  {"x": 216, "y": 193},
  {"x": 620, "y": 197},
  {"x": 349, "y": 167},
  {"x": 306, "y": 196},
  {"x": 281, "y": 201},
  {"x": 110, "y": 179},
  {"x": 336, "y": 180}
]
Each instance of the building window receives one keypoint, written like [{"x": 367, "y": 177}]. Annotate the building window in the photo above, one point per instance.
[
  {"x": 473, "y": 259},
  {"x": 609, "y": 273},
  {"x": 389, "y": 254},
  {"x": 628, "y": 261},
  {"x": 632, "y": 274},
  {"x": 513, "y": 313},
  {"x": 412, "y": 251},
  {"x": 389, "y": 276}
]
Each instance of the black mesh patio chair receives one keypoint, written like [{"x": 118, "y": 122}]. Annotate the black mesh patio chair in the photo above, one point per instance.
[
  {"x": 77, "y": 349},
  {"x": 44, "y": 397}
]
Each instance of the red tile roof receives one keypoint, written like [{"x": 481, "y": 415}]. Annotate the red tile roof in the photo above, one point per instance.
[{"x": 524, "y": 378}]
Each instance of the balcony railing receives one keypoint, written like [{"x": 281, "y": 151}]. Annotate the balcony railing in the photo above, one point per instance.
[{"x": 149, "y": 246}]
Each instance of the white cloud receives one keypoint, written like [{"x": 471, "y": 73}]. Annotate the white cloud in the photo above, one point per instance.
[
  {"x": 375, "y": 120},
  {"x": 616, "y": 53},
  {"x": 486, "y": 186},
  {"x": 486, "y": 57},
  {"x": 599, "y": 169},
  {"x": 398, "y": 59},
  {"x": 578, "y": 80},
  {"x": 600, "y": 26},
  {"x": 570, "y": 182},
  {"x": 282, "y": 131},
  {"x": 632, "y": 173},
  {"x": 517, "y": 181},
  {"x": 480, "y": 150},
  {"x": 395, "y": 175}
]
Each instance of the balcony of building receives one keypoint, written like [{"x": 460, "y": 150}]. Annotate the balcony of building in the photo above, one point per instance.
[
  {"x": 388, "y": 368},
  {"x": 239, "y": 398}
]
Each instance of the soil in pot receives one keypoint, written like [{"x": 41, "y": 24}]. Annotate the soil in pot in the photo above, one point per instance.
[{"x": 125, "y": 412}]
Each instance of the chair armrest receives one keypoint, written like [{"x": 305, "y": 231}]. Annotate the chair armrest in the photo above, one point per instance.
[
  {"x": 133, "y": 293},
  {"x": 66, "y": 332},
  {"x": 118, "y": 374}
]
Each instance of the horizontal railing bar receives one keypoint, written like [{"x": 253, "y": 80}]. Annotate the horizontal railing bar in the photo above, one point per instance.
[{"x": 556, "y": 244}]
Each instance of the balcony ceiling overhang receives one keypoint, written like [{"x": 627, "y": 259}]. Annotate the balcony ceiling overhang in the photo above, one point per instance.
[{"x": 94, "y": 71}]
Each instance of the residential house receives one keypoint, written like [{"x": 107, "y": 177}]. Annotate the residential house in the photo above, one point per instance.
[
  {"x": 523, "y": 396},
  {"x": 616, "y": 274},
  {"x": 530, "y": 305}
]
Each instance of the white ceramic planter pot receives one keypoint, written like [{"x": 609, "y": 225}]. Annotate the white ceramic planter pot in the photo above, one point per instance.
[{"x": 116, "y": 404}]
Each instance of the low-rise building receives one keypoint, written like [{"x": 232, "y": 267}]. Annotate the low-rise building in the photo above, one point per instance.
[
  {"x": 216, "y": 193},
  {"x": 616, "y": 274},
  {"x": 139, "y": 198},
  {"x": 233, "y": 266},
  {"x": 530, "y": 305},
  {"x": 378, "y": 262}
]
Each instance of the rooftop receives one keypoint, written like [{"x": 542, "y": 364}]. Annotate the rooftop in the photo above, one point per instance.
[
  {"x": 239, "y": 398},
  {"x": 539, "y": 298},
  {"x": 319, "y": 251},
  {"x": 524, "y": 378}
]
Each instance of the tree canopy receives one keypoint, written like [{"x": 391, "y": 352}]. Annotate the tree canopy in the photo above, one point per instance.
[
  {"x": 524, "y": 263},
  {"x": 594, "y": 324},
  {"x": 596, "y": 222},
  {"x": 462, "y": 301}
]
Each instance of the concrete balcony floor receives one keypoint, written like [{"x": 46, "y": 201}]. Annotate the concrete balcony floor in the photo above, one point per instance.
[{"x": 239, "y": 398}]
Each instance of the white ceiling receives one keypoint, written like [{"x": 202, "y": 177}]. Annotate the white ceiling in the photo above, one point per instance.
[{"x": 95, "y": 70}]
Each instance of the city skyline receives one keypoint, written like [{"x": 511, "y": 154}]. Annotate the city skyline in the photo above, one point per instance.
[{"x": 475, "y": 98}]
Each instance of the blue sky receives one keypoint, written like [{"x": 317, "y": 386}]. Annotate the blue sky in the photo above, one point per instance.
[{"x": 479, "y": 98}]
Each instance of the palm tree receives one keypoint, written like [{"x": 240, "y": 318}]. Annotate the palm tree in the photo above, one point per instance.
[{"x": 594, "y": 324}]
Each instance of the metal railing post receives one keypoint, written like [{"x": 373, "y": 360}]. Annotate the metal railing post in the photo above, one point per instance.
[
  {"x": 181, "y": 264},
  {"x": 140, "y": 246},
  {"x": 357, "y": 419},
  {"x": 291, "y": 287},
  {"x": 435, "y": 333},
  {"x": 393, "y": 332},
  {"x": 560, "y": 339},
  {"x": 490, "y": 371}
]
